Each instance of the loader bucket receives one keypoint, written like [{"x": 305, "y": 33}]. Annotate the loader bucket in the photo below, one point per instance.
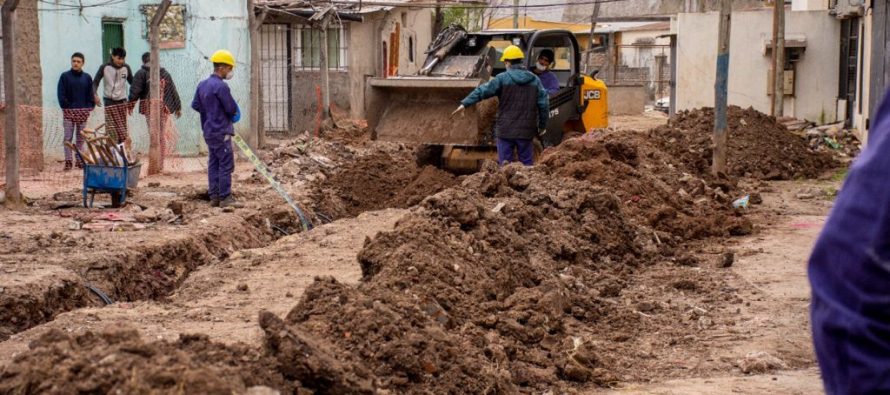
[{"x": 418, "y": 110}]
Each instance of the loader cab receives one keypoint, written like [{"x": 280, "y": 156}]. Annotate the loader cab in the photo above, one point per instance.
[
  {"x": 564, "y": 47},
  {"x": 561, "y": 42}
]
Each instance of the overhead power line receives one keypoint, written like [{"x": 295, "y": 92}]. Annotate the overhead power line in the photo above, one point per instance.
[{"x": 433, "y": 5}]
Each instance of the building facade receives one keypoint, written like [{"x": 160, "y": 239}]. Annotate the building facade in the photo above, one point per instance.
[{"x": 190, "y": 33}]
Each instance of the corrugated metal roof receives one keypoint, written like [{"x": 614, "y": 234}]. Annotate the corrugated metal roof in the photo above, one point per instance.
[{"x": 366, "y": 7}]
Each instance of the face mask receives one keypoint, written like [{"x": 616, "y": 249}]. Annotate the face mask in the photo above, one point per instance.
[
  {"x": 540, "y": 67},
  {"x": 230, "y": 75}
]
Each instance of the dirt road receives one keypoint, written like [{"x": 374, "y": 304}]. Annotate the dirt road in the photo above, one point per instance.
[{"x": 775, "y": 319}]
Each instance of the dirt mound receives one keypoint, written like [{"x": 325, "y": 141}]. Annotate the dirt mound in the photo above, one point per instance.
[
  {"x": 120, "y": 361},
  {"x": 758, "y": 145},
  {"x": 376, "y": 181},
  {"x": 342, "y": 178},
  {"x": 511, "y": 280},
  {"x": 649, "y": 187}
]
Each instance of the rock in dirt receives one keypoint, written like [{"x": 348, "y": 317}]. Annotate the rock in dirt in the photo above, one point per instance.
[
  {"x": 759, "y": 362},
  {"x": 726, "y": 260},
  {"x": 756, "y": 198}
]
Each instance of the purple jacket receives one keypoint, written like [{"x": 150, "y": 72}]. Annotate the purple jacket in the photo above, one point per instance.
[
  {"x": 850, "y": 274},
  {"x": 214, "y": 101},
  {"x": 550, "y": 82}
]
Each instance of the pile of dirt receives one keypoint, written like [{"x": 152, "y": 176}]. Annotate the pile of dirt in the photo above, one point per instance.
[
  {"x": 512, "y": 280},
  {"x": 376, "y": 181},
  {"x": 758, "y": 145},
  {"x": 343, "y": 178},
  {"x": 120, "y": 361},
  {"x": 649, "y": 186}
]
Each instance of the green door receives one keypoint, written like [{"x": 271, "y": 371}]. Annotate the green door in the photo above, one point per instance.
[{"x": 112, "y": 37}]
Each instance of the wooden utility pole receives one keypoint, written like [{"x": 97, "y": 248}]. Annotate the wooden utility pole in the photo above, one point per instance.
[
  {"x": 593, "y": 18},
  {"x": 771, "y": 89},
  {"x": 156, "y": 103},
  {"x": 13, "y": 190},
  {"x": 721, "y": 87},
  {"x": 257, "y": 137},
  {"x": 325, "y": 70},
  {"x": 779, "y": 56},
  {"x": 439, "y": 21},
  {"x": 516, "y": 14}
]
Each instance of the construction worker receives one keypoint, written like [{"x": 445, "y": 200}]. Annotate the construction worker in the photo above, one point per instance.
[
  {"x": 542, "y": 70},
  {"x": 523, "y": 107},
  {"x": 214, "y": 101},
  {"x": 75, "y": 94},
  {"x": 849, "y": 273},
  {"x": 115, "y": 75}
]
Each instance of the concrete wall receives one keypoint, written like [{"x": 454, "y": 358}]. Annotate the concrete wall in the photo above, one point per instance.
[
  {"x": 210, "y": 25},
  {"x": 627, "y": 99},
  {"x": 305, "y": 97},
  {"x": 816, "y": 87},
  {"x": 365, "y": 60},
  {"x": 809, "y": 5}
]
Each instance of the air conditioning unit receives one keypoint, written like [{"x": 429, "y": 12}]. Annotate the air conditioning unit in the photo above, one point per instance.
[{"x": 844, "y": 9}]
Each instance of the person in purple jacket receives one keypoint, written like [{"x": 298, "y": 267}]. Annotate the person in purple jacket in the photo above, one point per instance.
[
  {"x": 849, "y": 272},
  {"x": 542, "y": 70},
  {"x": 214, "y": 101},
  {"x": 75, "y": 94}
]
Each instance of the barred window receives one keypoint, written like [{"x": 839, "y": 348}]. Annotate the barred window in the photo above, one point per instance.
[{"x": 308, "y": 48}]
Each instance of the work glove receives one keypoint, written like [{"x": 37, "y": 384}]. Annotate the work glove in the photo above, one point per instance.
[
  {"x": 460, "y": 109},
  {"x": 237, "y": 116}
]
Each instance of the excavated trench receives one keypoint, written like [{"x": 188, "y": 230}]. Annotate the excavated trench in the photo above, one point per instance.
[
  {"x": 53, "y": 272},
  {"x": 151, "y": 264}
]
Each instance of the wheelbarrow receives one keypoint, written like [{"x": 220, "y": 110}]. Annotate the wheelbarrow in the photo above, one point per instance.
[{"x": 114, "y": 180}]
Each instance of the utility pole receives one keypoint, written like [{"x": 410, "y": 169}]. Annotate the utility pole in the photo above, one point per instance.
[
  {"x": 516, "y": 14},
  {"x": 771, "y": 89},
  {"x": 440, "y": 19},
  {"x": 721, "y": 87},
  {"x": 779, "y": 55},
  {"x": 11, "y": 134},
  {"x": 257, "y": 137},
  {"x": 325, "y": 71},
  {"x": 156, "y": 104},
  {"x": 593, "y": 18}
]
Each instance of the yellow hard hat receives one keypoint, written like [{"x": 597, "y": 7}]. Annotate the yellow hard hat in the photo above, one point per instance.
[
  {"x": 223, "y": 56},
  {"x": 512, "y": 53}
]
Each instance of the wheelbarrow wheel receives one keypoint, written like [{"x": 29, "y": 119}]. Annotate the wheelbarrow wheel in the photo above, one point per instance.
[{"x": 117, "y": 199}]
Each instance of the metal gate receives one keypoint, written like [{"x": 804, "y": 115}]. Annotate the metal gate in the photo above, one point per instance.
[
  {"x": 849, "y": 65},
  {"x": 276, "y": 78}
]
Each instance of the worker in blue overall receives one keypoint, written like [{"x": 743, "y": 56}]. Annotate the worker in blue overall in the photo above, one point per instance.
[
  {"x": 214, "y": 101},
  {"x": 850, "y": 275},
  {"x": 523, "y": 108}
]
